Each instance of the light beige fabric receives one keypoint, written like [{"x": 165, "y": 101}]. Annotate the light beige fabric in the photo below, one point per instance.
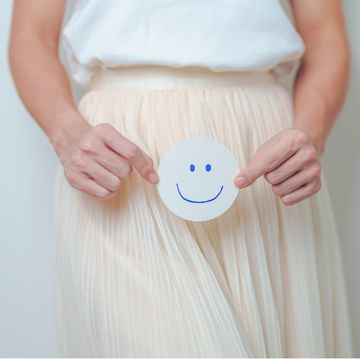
[{"x": 134, "y": 280}]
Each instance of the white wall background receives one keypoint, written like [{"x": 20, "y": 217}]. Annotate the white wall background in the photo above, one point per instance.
[{"x": 27, "y": 168}]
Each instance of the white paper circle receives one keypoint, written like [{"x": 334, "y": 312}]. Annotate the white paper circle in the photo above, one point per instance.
[{"x": 196, "y": 179}]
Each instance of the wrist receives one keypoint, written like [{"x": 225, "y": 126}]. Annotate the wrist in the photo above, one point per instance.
[
  {"x": 70, "y": 123},
  {"x": 311, "y": 118},
  {"x": 316, "y": 138}
]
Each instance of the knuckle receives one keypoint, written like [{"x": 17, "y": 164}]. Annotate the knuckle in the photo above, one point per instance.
[
  {"x": 317, "y": 169},
  {"x": 116, "y": 183},
  {"x": 270, "y": 177},
  {"x": 286, "y": 201},
  {"x": 314, "y": 186},
  {"x": 112, "y": 162},
  {"x": 70, "y": 178},
  {"x": 278, "y": 189},
  {"x": 146, "y": 167},
  {"x": 73, "y": 180},
  {"x": 311, "y": 154},
  {"x": 102, "y": 128},
  {"x": 77, "y": 161},
  {"x": 132, "y": 150},
  {"x": 103, "y": 195},
  {"x": 275, "y": 189},
  {"x": 112, "y": 184},
  {"x": 151, "y": 162},
  {"x": 317, "y": 186},
  {"x": 126, "y": 170},
  {"x": 87, "y": 145},
  {"x": 300, "y": 140},
  {"x": 271, "y": 161}
]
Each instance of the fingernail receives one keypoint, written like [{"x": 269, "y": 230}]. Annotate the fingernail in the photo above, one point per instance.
[
  {"x": 240, "y": 181},
  {"x": 153, "y": 178}
]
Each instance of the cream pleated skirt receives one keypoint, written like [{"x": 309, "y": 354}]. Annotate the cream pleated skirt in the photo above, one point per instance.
[{"x": 134, "y": 280}]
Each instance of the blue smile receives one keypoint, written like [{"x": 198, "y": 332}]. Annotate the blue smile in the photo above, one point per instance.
[{"x": 188, "y": 200}]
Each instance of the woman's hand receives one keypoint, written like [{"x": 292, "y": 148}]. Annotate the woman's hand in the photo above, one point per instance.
[
  {"x": 289, "y": 162},
  {"x": 95, "y": 160}
]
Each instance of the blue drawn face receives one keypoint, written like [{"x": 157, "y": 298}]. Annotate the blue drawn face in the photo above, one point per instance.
[
  {"x": 192, "y": 169},
  {"x": 196, "y": 179}
]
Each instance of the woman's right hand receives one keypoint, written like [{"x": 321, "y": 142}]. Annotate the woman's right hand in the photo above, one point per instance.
[{"x": 96, "y": 159}]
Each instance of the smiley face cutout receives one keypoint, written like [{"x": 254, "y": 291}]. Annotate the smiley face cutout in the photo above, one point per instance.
[{"x": 196, "y": 179}]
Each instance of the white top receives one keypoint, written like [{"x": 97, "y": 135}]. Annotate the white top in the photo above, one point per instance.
[{"x": 221, "y": 35}]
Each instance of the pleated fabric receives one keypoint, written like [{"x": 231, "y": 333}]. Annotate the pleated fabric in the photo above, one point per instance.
[{"x": 134, "y": 280}]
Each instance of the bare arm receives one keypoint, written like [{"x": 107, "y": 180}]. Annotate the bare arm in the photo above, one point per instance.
[
  {"x": 290, "y": 161},
  {"x": 322, "y": 79},
  {"x": 44, "y": 88},
  {"x": 39, "y": 77}
]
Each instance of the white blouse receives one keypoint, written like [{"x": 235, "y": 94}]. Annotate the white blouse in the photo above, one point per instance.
[{"x": 221, "y": 35}]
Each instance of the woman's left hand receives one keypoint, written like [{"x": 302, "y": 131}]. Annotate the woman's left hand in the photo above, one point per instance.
[{"x": 289, "y": 162}]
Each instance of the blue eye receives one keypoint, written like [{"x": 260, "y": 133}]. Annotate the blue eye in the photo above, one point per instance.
[
  {"x": 208, "y": 168},
  {"x": 192, "y": 168}
]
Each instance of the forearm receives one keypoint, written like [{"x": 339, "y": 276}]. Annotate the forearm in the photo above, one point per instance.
[
  {"x": 322, "y": 80},
  {"x": 320, "y": 89},
  {"x": 44, "y": 88}
]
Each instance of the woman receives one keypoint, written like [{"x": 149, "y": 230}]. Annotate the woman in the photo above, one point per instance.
[{"x": 132, "y": 279}]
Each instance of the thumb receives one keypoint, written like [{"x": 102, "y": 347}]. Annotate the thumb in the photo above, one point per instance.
[
  {"x": 255, "y": 169},
  {"x": 242, "y": 179},
  {"x": 264, "y": 160}
]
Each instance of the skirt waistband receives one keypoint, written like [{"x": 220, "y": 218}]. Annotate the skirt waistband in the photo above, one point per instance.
[{"x": 159, "y": 77}]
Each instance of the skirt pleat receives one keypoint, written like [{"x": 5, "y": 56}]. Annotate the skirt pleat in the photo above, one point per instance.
[{"x": 134, "y": 280}]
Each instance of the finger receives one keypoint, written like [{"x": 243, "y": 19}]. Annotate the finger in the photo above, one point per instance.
[
  {"x": 294, "y": 164},
  {"x": 262, "y": 162},
  {"x": 103, "y": 177},
  {"x": 297, "y": 180},
  {"x": 90, "y": 187},
  {"x": 131, "y": 152},
  {"x": 114, "y": 163},
  {"x": 302, "y": 193},
  {"x": 143, "y": 163}
]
